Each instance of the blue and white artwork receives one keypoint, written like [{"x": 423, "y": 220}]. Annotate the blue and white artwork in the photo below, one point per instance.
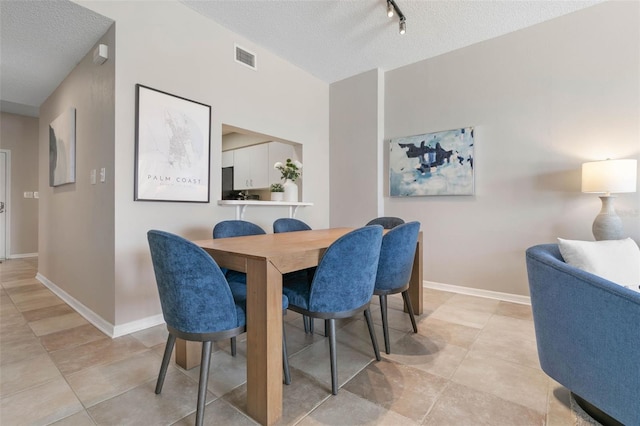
[{"x": 438, "y": 163}]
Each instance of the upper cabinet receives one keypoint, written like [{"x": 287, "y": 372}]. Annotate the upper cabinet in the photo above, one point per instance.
[
  {"x": 227, "y": 158},
  {"x": 253, "y": 165}
]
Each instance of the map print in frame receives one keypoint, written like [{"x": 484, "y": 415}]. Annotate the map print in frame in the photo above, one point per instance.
[{"x": 172, "y": 147}]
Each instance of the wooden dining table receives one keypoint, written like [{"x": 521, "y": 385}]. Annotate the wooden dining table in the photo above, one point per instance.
[{"x": 264, "y": 258}]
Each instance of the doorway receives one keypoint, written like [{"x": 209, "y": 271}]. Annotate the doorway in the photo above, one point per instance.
[{"x": 5, "y": 195}]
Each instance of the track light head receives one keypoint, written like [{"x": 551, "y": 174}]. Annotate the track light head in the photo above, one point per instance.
[{"x": 392, "y": 8}]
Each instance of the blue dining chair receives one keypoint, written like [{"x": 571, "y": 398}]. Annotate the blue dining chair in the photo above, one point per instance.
[
  {"x": 387, "y": 222},
  {"x": 238, "y": 280},
  {"x": 236, "y": 228},
  {"x": 196, "y": 300},
  {"x": 394, "y": 271},
  {"x": 287, "y": 224},
  {"x": 342, "y": 286}
]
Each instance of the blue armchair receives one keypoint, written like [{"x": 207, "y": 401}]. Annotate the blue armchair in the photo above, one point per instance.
[{"x": 588, "y": 335}]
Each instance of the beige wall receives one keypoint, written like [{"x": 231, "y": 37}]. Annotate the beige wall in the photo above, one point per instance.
[
  {"x": 19, "y": 134},
  {"x": 167, "y": 46},
  {"x": 356, "y": 148},
  {"x": 543, "y": 100},
  {"x": 76, "y": 242}
]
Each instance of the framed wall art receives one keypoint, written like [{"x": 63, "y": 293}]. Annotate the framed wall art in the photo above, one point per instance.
[
  {"x": 439, "y": 163},
  {"x": 62, "y": 149},
  {"x": 172, "y": 148}
]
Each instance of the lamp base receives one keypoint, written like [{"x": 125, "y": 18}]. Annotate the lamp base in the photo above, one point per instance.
[{"x": 607, "y": 225}]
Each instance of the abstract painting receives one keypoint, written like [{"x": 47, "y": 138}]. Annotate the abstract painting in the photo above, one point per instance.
[
  {"x": 438, "y": 163},
  {"x": 172, "y": 147},
  {"x": 62, "y": 149}
]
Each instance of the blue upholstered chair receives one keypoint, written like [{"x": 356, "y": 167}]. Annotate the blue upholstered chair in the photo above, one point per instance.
[
  {"x": 342, "y": 286},
  {"x": 196, "y": 300},
  {"x": 236, "y": 228},
  {"x": 287, "y": 224},
  {"x": 588, "y": 335},
  {"x": 387, "y": 222},
  {"x": 238, "y": 280},
  {"x": 394, "y": 271}
]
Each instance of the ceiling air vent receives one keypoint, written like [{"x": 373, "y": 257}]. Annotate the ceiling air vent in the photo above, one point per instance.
[{"x": 245, "y": 57}]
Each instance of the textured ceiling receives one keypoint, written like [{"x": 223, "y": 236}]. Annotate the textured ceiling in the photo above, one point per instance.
[
  {"x": 337, "y": 39},
  {"x": 42, "y": 41}
]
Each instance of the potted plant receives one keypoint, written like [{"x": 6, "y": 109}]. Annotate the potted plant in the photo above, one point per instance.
[
  {"x": 277, "y": 192},
  {"x": 290, "y": 171}
]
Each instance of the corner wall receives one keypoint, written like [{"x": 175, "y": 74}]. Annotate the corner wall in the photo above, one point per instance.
[
  {"x": 19, "y": 134},
  {"x": 76, "y": 221},
  {"x": 169, "y": 47},
  {"x": 543, "y": 100},
  {"x": 356, "y": 134}
]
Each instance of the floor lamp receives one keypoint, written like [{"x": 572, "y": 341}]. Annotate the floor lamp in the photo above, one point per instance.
[{"x": 608, "y": 177}]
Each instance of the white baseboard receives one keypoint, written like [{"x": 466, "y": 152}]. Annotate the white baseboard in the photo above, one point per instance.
[
  {"x": 100, "y": 323},
  {"x": 22, "y": 256},
  {"x": 507, "y": 297}
]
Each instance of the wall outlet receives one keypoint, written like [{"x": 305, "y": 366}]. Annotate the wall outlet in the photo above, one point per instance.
[
  {"x": 103, "y": 175},
  {"x": 92, "y": 177}
]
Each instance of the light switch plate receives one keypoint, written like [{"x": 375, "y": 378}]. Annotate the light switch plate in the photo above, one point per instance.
[
  {"x": 36, "y": 194},
  {"x": 92, "y": 176},
  {"x": 103, "y": 175}
]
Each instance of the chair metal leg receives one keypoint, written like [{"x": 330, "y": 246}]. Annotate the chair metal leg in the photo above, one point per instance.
[
  {"x": 311, "y": 321},
  {"x": 332, "y": 351},
  {"x": 285, "y": 358},
  {"x": 171, "y": 340},
  {"x": 305, "y": 321},
  {"x": 367, "y": 315},
  {"x": 202, "y": 385},
  {"x": 233, "y": 346},
  {"x": 407, "y": 303},
  {"x": 385, "y": 323}
]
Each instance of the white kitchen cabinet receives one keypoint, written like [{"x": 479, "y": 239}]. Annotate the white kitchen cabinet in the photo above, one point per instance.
[
  {"x": 253, "y": 165},
  {"x": 227, "y": 158}
]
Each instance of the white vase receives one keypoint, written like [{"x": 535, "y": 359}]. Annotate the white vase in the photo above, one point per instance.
[
  {"x": 277, "y": 196},
  {"x": 290, "y": 191}
]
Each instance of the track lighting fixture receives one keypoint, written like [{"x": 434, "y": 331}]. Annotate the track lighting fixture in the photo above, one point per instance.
[{"x": 393, "y": 7}]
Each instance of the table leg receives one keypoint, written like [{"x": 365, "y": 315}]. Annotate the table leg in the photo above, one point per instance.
[
  {"x": 415, "y": 283},
  {"x": 264, "y": 341},
  {"x": 188, "y": 353}
]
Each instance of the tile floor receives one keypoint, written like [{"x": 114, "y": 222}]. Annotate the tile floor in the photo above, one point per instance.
[{"x": 473, "y": 362}]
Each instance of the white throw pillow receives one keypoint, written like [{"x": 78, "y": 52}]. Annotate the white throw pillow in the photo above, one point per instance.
[{"x": 615, "y": 260}]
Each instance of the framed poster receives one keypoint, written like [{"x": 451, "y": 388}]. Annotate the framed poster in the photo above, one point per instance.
[
  {"x": 62, "y": 149},
  {"x": 173, "y": 141},
  {"x": 438, "y": 163}
]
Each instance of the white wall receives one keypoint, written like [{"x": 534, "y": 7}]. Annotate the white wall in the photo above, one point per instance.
[
  {"x": 167, "y": 46},
  {"x": 76, "y": 221},
  {"x": 356, "y": 149},
  {"x": 543, "y": 100}
]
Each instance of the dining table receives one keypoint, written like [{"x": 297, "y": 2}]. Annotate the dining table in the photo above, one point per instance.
[{"x": 265, "y": 258}]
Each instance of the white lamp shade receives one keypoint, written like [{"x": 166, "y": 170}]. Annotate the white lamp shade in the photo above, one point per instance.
[{"x": 609, "y": 176}]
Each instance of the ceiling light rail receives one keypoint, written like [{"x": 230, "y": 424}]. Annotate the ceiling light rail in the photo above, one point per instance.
[{"x": 393, "y": 7}]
